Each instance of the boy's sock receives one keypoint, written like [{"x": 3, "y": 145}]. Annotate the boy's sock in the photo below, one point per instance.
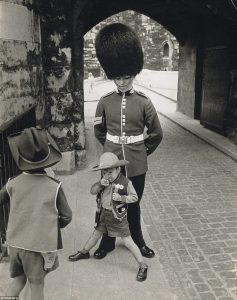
[
  {"x": 84, "y": 251},
  {"x": 143, "y": 265}
]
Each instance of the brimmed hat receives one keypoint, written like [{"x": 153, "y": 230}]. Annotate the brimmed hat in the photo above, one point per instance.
[
  {"x": 119, "y": 51},
  {"x": 34, "y": 149},
  {"x": 109, "y": 160}
]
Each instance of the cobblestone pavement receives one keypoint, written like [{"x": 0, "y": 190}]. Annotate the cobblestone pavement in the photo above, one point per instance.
[{"x": 190, "y": 209}]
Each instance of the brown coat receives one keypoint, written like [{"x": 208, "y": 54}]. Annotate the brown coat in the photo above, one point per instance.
[{"x": 38, "y": 209}]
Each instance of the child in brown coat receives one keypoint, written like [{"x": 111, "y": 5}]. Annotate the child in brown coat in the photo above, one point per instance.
[{"x": 38, "y": 209}]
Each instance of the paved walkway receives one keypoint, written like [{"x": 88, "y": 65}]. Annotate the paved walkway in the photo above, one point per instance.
[
  {"x": 191, "y": 209},
  {"x": 189, "y": 216}
]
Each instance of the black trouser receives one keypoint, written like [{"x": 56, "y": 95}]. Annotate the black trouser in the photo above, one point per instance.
[{"x": 134, "y": 217}]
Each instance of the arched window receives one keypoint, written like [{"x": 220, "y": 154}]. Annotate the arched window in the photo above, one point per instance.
[{"x": 166, "y": 50}]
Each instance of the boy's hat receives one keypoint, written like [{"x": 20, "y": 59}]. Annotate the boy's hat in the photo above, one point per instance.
[
  {"x": 109, "y": 160},
  {"x": 119, "y": 51},
  {"x": 34, "y": 149}
]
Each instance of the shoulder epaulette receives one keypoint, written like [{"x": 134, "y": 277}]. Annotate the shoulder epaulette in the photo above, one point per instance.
[
  {"x": 142, "y": 94},
  {"x": 108, "y": 94},
  {"x": 10, "y": 178},
  {"x": 54, "y": 179}
]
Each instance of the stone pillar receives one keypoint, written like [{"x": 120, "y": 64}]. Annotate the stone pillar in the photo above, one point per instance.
[
  {"x": 78, "y": 91},
  {"x": 186, "y": 81},
  {"x": 63, "y": 86},
  {"x": 20, "y": 62}
]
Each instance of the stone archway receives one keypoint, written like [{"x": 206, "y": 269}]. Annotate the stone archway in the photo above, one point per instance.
[{"x": 186, "y": 20}]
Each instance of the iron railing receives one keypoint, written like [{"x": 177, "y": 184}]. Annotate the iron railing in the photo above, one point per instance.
[{"x": 8, "y": 167}]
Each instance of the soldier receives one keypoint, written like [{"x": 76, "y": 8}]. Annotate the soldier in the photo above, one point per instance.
[{"x": 121, "y": 118}]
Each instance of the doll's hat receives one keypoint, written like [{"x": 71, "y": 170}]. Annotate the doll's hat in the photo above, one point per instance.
[
  {"x": 119, "y": 51},
  {"x": 109, "y": 160},
  {"x": 34, "y": 148}
]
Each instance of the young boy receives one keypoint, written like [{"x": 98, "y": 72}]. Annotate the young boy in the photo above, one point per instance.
[
  {"x": 38, "y": 209},
  {"x": 121, "y": 117},
  {"x": 114, "y": 191}
]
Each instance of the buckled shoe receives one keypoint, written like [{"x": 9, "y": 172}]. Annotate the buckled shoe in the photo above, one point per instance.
[
  {"x": 79, "y": 255},
  {"x": 147, "y": 252},
  {"x": 142, "y": 273}
]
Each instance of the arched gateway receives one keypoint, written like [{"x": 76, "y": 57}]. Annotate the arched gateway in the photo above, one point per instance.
[{"x": 207, "y": 87}]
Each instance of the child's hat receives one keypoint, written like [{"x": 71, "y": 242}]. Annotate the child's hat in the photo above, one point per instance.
[
  {"x": 34, "y": 148},
  {"x": 109, "y": 160},
  {"x": 119, "y": 51}
]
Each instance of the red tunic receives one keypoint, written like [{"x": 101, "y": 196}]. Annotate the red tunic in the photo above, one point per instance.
[{"x": 128, "y": 115}]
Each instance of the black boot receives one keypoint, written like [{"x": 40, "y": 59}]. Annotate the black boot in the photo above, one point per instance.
[
  {"x": 147, "y": 252},
  {"x": 100, "y": 253},
  {"x": 107, "y": 244}
]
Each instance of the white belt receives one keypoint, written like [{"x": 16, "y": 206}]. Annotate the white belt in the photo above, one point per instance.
[{"x": 124, "y": 139}]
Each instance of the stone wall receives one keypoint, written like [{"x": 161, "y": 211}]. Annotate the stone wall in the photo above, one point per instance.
[
  {"x": 154, "y": 38},
  {"x": 186, "y": 80},
  {"x": 20, "y": 61}
]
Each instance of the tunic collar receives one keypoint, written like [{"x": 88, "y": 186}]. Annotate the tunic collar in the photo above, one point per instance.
[{"x": 127, "y": 93}]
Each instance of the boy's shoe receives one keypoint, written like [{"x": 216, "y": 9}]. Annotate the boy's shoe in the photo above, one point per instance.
[
  {"x": 142, "y": 273},
  {"x": 147, "y": 252},
  {"x": 79, "y": 255}
]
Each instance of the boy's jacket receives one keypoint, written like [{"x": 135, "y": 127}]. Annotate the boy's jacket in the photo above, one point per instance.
[
  {"x": 34, "y": 217},
  {"x": 119, "y": 208}
]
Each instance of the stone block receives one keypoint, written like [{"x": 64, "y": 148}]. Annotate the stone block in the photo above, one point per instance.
[
  {"x": 63, "y": 135},
  {"x": 224, "y": 266},
  {"x": 19, "y": 83},
  {"x": 80, "y": 138},
  {"x": 21, "y": 53},
  {"x": 229, "y": 274},
  {"x": 13, "y": 53},
  {"x": 221, "y": 292},
  {"x": 230, "y": 249},
  {"x": 66, "y": 165},
  {"x": 230, "y": 282},
  {"x": 208, "y": 274},
  {"x": 60, "y": 107},
  {"x": 202, "y": 287},
  {"x": 14, "y": 107},
  {"x": 80, "y": 158},
  {"x": 57, "y": 80},
  {"x": 219, "y": 258},
  {"x": 18, "y": 23},
  {"x": 207, "y": 296}
]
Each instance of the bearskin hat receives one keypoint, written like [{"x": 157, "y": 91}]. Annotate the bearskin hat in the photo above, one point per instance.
[{"x": 119, "y": 51}]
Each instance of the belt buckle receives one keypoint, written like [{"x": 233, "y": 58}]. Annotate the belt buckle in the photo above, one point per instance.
[{"x": 123, "y": 139}]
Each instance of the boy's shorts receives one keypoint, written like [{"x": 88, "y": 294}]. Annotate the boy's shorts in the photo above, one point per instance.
[
  {"x": 29, "y": 263},
  {"x": 112, "y": 226}
]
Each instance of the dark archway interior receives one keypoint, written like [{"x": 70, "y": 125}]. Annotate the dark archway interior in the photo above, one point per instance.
[{"x": 183, "y": 18}]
